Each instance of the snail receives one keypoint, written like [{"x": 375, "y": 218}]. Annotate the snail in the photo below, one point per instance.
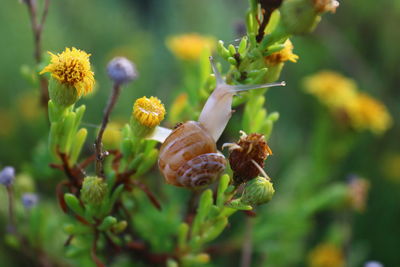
[{"x": 189, "y": 156}]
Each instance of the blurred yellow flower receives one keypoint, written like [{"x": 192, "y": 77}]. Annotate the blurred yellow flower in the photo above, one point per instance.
[
  {"x": 391, "y": 167},
  {"x": 29, "y": 106},
  {"x": 72, "y": 68},
  {"x": 112, "y": 135},
  {"x": 331, "y": 88},
  {"x": 326, "y": 255},
  {"x": 8, "y": 124},
  {"x": 286, "y": 54},
  {"x": 190, "y": 46},
  {"x": 177, "y": 108},
  {"x": 149, "y": 111},
  {"x": 367, "y": 113}
]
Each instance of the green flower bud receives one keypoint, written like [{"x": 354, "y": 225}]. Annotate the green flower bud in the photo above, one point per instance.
[
  {"x": 93, "y": 190},
  {"x": 119, "y": 227},
  {"x": 62, "y": 94},
  {"x": 257, "y": 191}
]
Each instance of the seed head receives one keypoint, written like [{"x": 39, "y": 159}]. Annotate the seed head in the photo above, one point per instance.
[
  {"x": 29, "y": 200},
  {"x": 7, "y": 176},
  {"x": 250, "y": 147},
  {"x": 121, "y": 70}
]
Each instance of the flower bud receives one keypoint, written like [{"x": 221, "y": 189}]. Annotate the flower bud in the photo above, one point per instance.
[
  {"x": 147, "y": 114},
  {"x": 62, "y": 94},
  {"x": 258, "y": 191},
  {"x": 93, "y": 190},
  {"x": 7, "y": 176},
  {"x": 121, "y": 70},
  {"x": 250, "y": 147},
  {"x": 29, "y": 200}
]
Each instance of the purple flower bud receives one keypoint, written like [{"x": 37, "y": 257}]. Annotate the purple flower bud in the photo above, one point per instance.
[
  {"x": 121, "y": 70},
  {"x": 7, "y": 176},
  {"x": 29, "y": 200}
]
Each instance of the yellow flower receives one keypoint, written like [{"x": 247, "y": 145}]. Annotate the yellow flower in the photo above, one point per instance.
[
  {"x": 8, "y": 123},
  {"x": 149, "y": 111},
  {"x": 190, "y": 46},
  {"x": 286, "y": 54},
  {"x": 177, "y": 108},
  {"x": 72, "y": 68},
  {"x": 326, "y": 255},
  {"x": 391, "y": 167},
  {"x": 367, "y": 113},
  {"x": 331, "y": 88},
  {"x": 28, "y": 106}
]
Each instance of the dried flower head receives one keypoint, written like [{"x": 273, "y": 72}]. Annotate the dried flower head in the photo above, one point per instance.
[
  {"x": 93, "y": 190},
  {"x": 331, "y": 88},
  {"x": 121, "y": 70},
  {"x": 149, "y": 112},
  {"x": 326, "y": 255},
  {"x": 248, "y": 148},
  {"x": 322, "y": 6},
  {"x": 72, "y": 68},
  {"x": 190, "y": 46},
  {"x": 286, "y": 54},
  {"x": 367, "y": 113},
  {"x": 7, "y": 176}
]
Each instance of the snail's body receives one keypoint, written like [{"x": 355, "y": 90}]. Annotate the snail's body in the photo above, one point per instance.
[{"x": 189, "y": 156}]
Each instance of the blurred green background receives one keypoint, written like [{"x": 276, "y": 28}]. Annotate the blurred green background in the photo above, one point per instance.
[{"x": 360, "y": 41}]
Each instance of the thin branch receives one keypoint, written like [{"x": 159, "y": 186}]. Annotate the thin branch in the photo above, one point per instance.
[
  {"x": 148, "y": 193},
  {"x": 247, "y": 248},
  {"x": 93, "y": 251},
  {"x": 98, "y": 143},
  {"x": 11, "y": 215},
  {"x": 37, "y": 29}
]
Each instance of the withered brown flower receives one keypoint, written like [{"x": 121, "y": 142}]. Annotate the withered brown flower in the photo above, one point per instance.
[{"x": 248, "y": 148}]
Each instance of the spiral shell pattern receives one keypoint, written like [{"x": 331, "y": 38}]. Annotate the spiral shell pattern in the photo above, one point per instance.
[{"x": 189, "y": 157}]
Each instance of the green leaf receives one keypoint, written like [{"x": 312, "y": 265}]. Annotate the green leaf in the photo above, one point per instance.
[
  {"x": 107, "y": 223},
  {"x": 215, "y": 229},
  {"x": 77, "y": 144},
  {"x": 183, "y": 235},
  {"x": 74, "y": 204},
  {"x": 202, "y": 211},
  {"x": 223, "y": 185}
]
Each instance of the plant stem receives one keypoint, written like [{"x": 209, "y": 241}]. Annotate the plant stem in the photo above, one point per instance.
[
  {"x": 98, "y": 144},
  {"x": 247, "y": 243},
  {"x": 11, "y": 215},
  {"x": 37, "y": 29}
]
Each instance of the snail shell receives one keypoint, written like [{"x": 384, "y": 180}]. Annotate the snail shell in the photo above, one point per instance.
[{"x": 189, "y": 157}]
